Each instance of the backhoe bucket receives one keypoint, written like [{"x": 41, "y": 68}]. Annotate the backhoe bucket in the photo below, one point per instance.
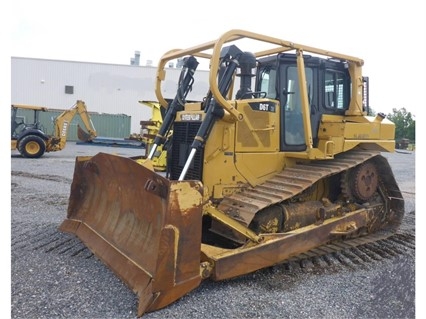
[
  {"x": 146, "y": 228},
  {"x": 83, "y": 135}
]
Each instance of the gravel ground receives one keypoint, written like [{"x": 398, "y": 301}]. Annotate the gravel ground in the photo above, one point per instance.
[{"x": 54, "y": 276}]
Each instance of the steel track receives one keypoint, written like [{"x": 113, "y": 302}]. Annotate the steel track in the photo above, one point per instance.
[{"x": 369, "y": 249}]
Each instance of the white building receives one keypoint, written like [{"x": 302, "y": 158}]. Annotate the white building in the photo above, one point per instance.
[{"x": 105, "y": 88}]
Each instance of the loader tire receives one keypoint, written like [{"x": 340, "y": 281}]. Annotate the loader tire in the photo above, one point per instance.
[{"x": 32, "y": 146}]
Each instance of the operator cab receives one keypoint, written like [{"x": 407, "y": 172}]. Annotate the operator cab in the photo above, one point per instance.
[
  {"x": 19, "y": 124},
  {"x": 328, "y": 89}
]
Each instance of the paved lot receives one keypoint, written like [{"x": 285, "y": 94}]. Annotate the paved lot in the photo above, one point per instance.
[{"x": 54, "y": 276}]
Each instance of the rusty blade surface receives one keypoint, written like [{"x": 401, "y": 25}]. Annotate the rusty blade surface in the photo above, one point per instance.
[{"x": 144, "y": 227}]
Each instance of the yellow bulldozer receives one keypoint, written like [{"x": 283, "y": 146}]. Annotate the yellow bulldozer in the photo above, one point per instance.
[
  {"x": 280, "y": 157},
  {"x": 31, "y": 140}
]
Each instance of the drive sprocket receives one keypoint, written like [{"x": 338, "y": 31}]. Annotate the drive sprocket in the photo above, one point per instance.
[{"x": 360, "y": 182}]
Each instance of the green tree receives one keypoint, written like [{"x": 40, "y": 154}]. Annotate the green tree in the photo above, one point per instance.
[{"x": 405, "y": 124}]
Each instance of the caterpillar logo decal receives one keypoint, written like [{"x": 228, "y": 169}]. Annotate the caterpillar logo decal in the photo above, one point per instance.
[
  {"x": 191, "y": 117},
  {"x": 266, "y": 106}
]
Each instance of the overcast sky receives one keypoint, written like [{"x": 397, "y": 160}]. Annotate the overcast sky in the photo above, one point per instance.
[{"x": 390, "y": 35}]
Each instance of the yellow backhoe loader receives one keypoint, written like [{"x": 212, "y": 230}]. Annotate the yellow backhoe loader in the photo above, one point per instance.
[
  {"x": 30, "y": 139},
  {"x": 279, "y": 158}
]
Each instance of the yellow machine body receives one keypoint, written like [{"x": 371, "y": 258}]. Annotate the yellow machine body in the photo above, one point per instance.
[
  {"x": 149, "y": 130},
  {"x": 289, "y": 162}
]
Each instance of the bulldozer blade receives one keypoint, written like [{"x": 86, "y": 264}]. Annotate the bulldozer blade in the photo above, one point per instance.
[
  {"x": 144, "y": 227},
  {"x": 83, "y": 135}
]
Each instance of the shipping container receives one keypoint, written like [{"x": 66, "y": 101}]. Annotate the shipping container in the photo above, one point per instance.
[{"x": 106, "y": 125}]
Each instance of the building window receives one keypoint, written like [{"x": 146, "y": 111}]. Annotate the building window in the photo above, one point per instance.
[{"x": 69, "y": 89}]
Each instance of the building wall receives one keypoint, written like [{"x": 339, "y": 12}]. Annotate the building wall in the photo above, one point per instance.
[{"x": 105, "y": 88}]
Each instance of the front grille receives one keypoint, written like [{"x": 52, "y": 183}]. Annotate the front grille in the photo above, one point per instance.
[{"x": 183, "y": 136}]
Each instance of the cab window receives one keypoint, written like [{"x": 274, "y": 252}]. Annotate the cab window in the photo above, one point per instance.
[
  {"x": 335, "y": 90},
  {"x": 268, "y": 82}
]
